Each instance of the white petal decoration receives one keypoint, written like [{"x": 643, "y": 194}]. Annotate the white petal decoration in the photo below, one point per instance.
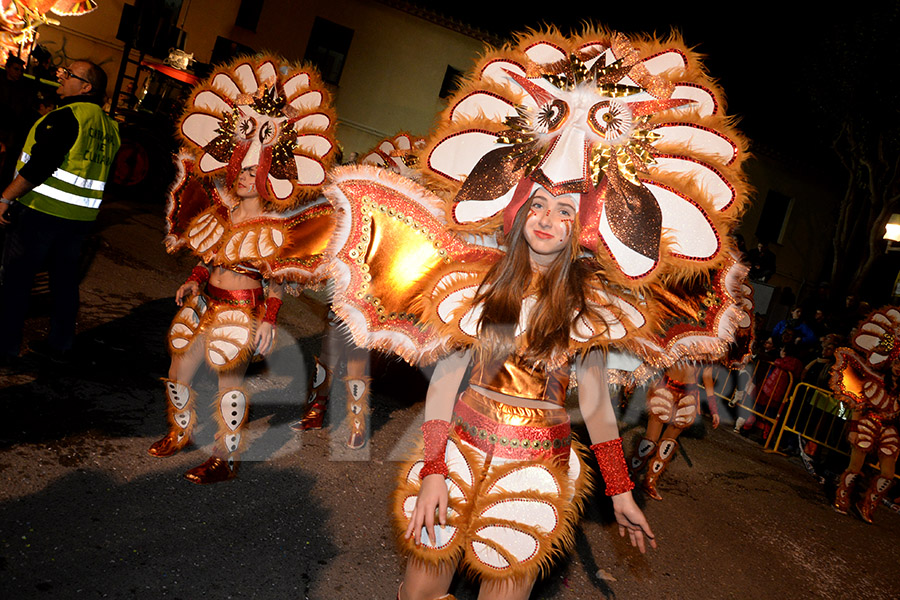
[
  {"x": 694, "y": 137},
  {"x": 457, "y": 464},
  {"x": 295, "y": 84},
  {"x": 532, "y": 513},
  {"x": 208, "y": 164},
  {"x": 444, "y": 535},
  {"x": 178, "y": 393},
  {"x": 246, "y": 78},
  {"x": 469, "y": 322},
  {"x": 704, "y": 99},
  {"x": 686, "y": 223},
  {"x": 308, "y": 101},
  {"x": 480, "y": 103},
  {"x": 545, "y": 53},
  {"x": 267, "y": 72},
  {"x": 867, "y": 342},
  {"x": 227, "y": 85},
  {"x": 533, "y": 477},
  {"x": 309, "y": 172},
  {"x": 469, "y": 211},
  {"x": 232, "y": 441},
  {"x": 183, "y": 418},
  {"x": 315, "y": 121},
  {"x": 453, "y": 301},
  {"x": 248, "y": 245},
  {"x": 519, "y": 544},
  {"x": 235, "y": 316},
  {"x": 455, "y": 157},
  {"x": 211, "y": 101},
  {"x": 496, "y": 71},
  {"x": 715, "y": 186},
  {"x": 200, "y": 128},
  {"x": 666, "y": 61},
  {"x": 233, "y": 407}
]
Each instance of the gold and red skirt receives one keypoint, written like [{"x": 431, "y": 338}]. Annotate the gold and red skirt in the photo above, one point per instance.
[
  {"x": 517, "y": 482},
  {"x": 226, "y": 320}
]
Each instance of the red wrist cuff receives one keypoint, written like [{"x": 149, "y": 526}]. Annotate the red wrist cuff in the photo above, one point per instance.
[
  {"x": 613, "y": 468},
  {"x": 200, "y": 274},
  {"x": 273, "y": 305},
  {"x": 435, "y": 433}
]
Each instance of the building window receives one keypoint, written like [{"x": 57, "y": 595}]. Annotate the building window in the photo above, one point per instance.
[
  {"x": 328, "y": 46},
  {"x": 452, "y": 77},
  {"x": 774, "y": 218}
]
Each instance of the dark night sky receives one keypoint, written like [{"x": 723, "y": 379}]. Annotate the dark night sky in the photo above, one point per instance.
[{"x": 772, "y": 58}]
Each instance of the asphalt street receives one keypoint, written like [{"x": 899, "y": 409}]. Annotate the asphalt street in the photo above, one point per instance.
[{"x": 85, "y": 512}]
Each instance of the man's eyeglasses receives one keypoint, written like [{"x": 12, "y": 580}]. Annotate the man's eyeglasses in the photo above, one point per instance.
[{"x": 63, "y": 73}]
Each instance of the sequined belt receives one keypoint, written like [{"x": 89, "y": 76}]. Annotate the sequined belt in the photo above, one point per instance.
[
  {"x": 509, "y": 431},
  {"x": 251, "y": 297},
  {"x": 676, "y": 386}
]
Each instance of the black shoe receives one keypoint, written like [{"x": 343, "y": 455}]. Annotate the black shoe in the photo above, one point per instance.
[{"x": 44, "y": 351}]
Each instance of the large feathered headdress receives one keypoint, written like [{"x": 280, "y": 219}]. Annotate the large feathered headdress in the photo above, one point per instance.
[{"x": 633, "y": 125}]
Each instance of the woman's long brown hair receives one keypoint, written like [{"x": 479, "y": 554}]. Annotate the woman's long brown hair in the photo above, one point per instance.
[{"x": 560, "y": 292}]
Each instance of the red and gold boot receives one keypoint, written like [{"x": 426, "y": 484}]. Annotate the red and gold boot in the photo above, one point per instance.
[
  {"x": 664, "y": 453},
  {"x": 872, "y": 498},
  {"x": 357, "y": 409},
  {"x": 642, "y": 452},
  {"x": 845, "y": 489},
  {"x": 233, "y": 405},
  {"x": 314, "y": 417},
  {"x": 181, "y": 417}
]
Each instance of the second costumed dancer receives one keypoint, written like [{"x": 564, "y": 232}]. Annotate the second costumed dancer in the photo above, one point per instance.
[
  {"x": 257, "y": 144},
  {"x": 567, "y": 177},
  {"x": 869, "y": 381}
]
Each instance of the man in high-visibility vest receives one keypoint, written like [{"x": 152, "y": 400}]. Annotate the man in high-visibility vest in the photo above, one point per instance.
[{"x": 66, "y": 160}]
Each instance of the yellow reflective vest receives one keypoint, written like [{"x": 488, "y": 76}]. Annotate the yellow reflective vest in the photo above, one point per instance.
[{"x": 75, "y": 189}]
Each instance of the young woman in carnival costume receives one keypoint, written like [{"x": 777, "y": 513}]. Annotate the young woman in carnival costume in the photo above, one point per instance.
[
  {"x": 257, "y": 141},
  {"x": 566, "y": 178},
  {"x": 869, "y": 381},
  {"x": 397, "y": 154}
]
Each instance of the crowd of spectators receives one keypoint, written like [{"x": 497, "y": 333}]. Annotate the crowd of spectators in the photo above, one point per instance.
[{"x": 799, "y": 348}]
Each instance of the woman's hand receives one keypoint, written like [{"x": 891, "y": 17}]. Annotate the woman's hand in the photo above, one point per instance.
[
  {"x": 265, "y": 336},
  {"x": 432, "y": 494},
  {"x": 630, "y": 518},
  {"x": 715, "y": 420},
  {"x": 187, "y": 290}
]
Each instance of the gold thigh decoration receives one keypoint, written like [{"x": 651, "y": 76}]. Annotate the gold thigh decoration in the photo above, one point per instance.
[{"x": 507, "y": 518}]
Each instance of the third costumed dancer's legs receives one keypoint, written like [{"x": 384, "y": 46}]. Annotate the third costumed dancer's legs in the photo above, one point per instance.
[
  {"x": 847, "y": 480},
  {"x": 665, "y": 451},
  {"x": 646, "y": 446},
  {"x": 358, "y": 385}
]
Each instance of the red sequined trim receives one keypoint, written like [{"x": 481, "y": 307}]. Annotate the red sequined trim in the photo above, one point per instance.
[
  {"x": 510, "y": 441},
  {"x": 435, "y": 433},
  {"x": 273, "y": 305},
  {"x": 613, "y": 468},
  {"x": 200, "y": 274},
  {"x": 251, "y": 297}
]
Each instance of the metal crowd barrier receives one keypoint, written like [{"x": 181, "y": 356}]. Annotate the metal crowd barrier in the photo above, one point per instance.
[{"x": 816, "y": 416}]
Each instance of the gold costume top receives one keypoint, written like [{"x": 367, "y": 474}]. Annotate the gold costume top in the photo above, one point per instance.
[{"x": 515, "y": 378}]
